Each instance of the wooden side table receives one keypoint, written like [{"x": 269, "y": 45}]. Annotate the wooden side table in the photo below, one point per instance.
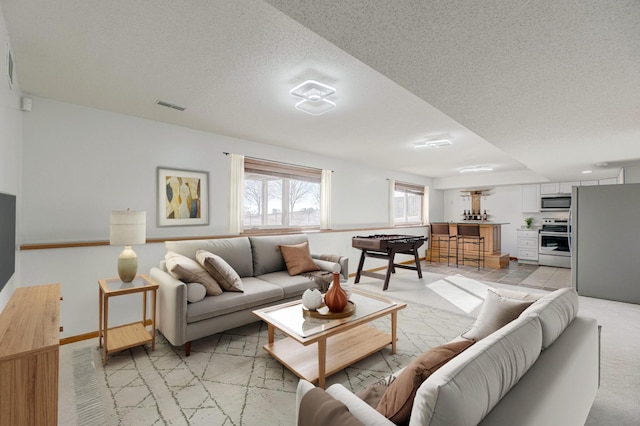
[{"x": 128, "y": 335}]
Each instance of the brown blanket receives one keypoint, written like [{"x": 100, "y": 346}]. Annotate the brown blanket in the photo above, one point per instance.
[{"x": 318, "y": 408}]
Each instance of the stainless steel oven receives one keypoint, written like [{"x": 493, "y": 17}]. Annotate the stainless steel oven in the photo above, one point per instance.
[{"x": 554, "y": 241}]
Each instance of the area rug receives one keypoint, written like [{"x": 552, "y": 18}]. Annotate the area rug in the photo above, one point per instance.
[{"x": 230, "y": 380}]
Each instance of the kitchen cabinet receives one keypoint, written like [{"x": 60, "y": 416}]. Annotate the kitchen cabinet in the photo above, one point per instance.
[
  {"x": 530, "y": 198},
  {"x": 610, "y": 181},
  {"x": 557, "y": 187},
  {"x": 527, "y": 245}
]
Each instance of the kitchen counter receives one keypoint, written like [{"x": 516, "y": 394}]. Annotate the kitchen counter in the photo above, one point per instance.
[
  {"x": 480, "y": 222},
  {"x": 492, "y": 233}
]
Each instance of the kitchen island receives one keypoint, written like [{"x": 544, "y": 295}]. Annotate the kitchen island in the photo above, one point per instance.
[{"x": 492, "y": 233}]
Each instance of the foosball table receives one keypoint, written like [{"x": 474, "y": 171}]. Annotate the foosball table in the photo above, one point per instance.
[{"x": 386, "y": 247}]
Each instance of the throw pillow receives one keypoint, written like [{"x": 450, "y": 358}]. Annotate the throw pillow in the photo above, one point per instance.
[
  {"x": 195, "y": 292},
  {"x": 298, "y": 258},
  {"x": 496, "y": 312},
  {"x": 189, "y": 271},
  {"x": 220, "y": 270},
  {"x": 397, "y": 401},
  {"x": 318, "y": 408}
]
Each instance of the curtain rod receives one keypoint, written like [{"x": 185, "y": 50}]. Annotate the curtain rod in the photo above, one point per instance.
[{"x": 278, "y": 162}]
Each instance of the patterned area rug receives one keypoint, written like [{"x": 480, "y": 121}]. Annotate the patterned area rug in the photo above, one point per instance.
[{"x": 230, "y": 380}]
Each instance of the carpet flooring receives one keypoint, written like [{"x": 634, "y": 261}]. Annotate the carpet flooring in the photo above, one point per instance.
[{"x": 230, "y": 380}]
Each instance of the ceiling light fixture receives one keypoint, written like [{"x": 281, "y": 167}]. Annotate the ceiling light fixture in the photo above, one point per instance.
[
  {"x": 432, "y": 144},
  {"x": 314, "y": 97},
  {"x": 586, "y": 172},
  {"x": 477, "y": 169}
]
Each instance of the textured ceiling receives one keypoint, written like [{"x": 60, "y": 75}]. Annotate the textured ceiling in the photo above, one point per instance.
[{"x": 538, "y": 90}]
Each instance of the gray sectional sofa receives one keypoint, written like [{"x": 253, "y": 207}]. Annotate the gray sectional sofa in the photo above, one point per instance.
[
  {"x": 540, "y": 369},
  {"x": 265, "y": 280}
]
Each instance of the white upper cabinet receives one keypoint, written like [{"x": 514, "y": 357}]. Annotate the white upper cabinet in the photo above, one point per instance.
[
  {"x": 557, "y": 188},
  {"x": 610, "y": 181},
  {"x": 530, "y": 198}
]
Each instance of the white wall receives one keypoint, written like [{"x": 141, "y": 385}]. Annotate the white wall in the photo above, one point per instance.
[
  {"x": 10, "y": 127},
  {"x": 80, "y": 163}
]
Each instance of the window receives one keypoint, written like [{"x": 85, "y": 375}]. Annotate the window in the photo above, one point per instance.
[
  {"x": 278, "y": 195},
  {"x": 407, "y": 203}
]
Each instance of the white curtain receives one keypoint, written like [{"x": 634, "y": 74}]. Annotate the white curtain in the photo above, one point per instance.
[
  {"x": 392, "y": 191},
  {"x": 325, "y": 200},
  {"x": 425, "y": 206},
  {"x": 236, "y": 193}
]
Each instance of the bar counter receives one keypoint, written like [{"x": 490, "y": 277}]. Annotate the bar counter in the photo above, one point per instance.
[{"x": 492, "y": 233}]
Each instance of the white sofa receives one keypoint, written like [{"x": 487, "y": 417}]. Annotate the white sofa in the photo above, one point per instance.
[
  {"x": 540, "y": 369},
  {"x": 265, "y": 279}
]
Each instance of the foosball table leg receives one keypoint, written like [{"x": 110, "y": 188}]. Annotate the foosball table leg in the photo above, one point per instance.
[
  {"x": 417, "y": 258},
  {"x": 390, "y": 269},
  {"x": 360, "y": 266}
]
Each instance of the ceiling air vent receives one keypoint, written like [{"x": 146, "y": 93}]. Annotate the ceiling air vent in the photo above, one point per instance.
[{"x": 170, "y": 105}]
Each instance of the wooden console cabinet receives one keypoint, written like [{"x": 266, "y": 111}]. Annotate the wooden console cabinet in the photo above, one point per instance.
[{"x": 29, "y": 357}]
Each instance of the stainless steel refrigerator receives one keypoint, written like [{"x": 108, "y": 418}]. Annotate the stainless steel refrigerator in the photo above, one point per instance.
[{"x": 605, "y": 246}]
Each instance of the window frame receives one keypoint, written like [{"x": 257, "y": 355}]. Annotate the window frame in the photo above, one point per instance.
[
  {"x": 286, "y": 172},
  {"x": 408, "y": 189}
]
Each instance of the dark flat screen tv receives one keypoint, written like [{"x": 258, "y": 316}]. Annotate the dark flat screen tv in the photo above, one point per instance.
[{"x": 7, "y": 237}]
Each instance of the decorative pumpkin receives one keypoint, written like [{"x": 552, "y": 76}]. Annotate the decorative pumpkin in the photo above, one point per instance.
[
  {"x": 336, "y": 298},
  {"x": 312, "y": 299}
]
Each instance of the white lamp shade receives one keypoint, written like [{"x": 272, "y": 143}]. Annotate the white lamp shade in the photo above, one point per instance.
[{"x": 128, "y": 228}]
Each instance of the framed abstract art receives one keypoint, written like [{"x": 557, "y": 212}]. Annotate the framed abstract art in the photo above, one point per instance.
[{"x": 183, "y": 197}]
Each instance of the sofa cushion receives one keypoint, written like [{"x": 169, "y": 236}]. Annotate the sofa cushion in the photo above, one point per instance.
[
  {"x": 235, "y": 251},
  {"x": 266, "y": 252},
  {"x": 397, "y": 401},
  {"x": 465, "y": 389},
  {"x": 495, "y": 312},
  {"x": 195, "y": 292},
  {"x": 298, "y": 259},
  {"x": 220, "y": 270},
  {"x": 556, "y": 310},
  {"x": 189, "y": 271},
  {"x": 292, "y": 286},
  {"x": 520, "y": 295},
  {"x": 318, "y": 408},
  {"x": 256, "y": 293}
]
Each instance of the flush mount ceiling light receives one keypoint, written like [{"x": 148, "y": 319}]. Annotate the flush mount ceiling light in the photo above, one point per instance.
[
  {"x": 477, "y": 169},
  {"x": 314, "y": 97},
  {"x": 586, "y": 172},
  {"x": 432, "y": 144}
]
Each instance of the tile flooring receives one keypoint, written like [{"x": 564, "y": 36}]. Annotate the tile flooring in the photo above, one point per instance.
[{"x": 517, "y": 274}]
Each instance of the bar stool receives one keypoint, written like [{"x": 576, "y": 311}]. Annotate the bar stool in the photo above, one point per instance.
[
  {"x": 470, "y": 234},
  {"x": 439, "y": 235}
]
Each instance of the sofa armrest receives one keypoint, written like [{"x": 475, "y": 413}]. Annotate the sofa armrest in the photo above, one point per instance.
[
  {"x": 171, "y": 307},
  {"x": 341, "y": 260}
]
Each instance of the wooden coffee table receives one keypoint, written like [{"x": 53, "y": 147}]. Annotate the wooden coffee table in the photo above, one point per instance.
[{"x": 317, "y": 348}]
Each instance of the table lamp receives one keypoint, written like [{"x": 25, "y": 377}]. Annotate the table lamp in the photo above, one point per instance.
[{"x": 127, "y": 228}]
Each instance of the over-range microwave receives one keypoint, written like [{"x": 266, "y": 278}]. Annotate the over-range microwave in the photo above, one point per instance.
[{"x": 555, "y": 203}]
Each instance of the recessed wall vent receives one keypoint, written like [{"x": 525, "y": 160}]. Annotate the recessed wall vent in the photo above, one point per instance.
[{"x": 170, "y": 105}]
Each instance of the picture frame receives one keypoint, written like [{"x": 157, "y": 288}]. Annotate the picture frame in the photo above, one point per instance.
[{"x": 183, "y": 197}]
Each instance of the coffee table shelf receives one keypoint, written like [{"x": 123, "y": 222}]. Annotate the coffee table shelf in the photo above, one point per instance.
[{"x": 342, "y": 350}]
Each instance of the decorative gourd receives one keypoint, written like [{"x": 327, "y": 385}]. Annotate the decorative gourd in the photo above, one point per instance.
[
  {"x": 336, "y": 298},
  {"x": 312, "y": 299}
]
